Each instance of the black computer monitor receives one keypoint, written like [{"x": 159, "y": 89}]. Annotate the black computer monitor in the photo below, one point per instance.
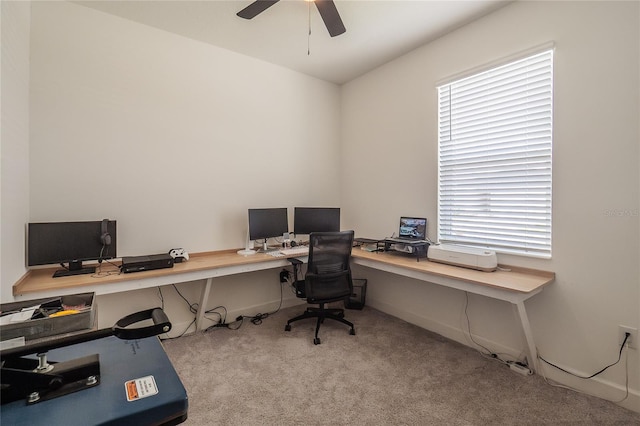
[
  {"x": 267, "y": 223},
  {"x": 316, "y": 219},
  {"x": 71, "y": 243}
]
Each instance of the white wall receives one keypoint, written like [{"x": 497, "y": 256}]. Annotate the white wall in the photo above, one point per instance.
[
  {"x": 14, "y": 142},
  {"x": 596, "y": 235},
  {"x": 175, "y": 139}
]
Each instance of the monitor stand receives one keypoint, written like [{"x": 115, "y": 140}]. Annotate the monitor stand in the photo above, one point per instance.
[
  {"x": 75, "y": 268},
  {"x": 247, "y": 250}
]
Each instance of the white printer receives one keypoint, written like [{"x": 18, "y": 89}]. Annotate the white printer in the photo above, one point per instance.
[{"x": 468, "y": 257}]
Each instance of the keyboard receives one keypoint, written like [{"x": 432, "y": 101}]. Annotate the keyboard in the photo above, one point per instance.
[
  {"x": 295, "y": 251},
  {"x": 274, "y": 253}
]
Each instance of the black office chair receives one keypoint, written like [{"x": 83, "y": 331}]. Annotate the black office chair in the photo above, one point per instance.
[{"x": 328, "y": 278}]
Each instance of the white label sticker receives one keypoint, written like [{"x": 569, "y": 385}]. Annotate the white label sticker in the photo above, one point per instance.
[{"x": 140, "y": 388}]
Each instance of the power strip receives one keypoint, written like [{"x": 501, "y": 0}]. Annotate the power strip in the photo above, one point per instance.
[{"x": 520, "y": 369}]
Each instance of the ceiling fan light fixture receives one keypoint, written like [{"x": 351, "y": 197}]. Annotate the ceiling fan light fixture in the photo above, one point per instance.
[{"x": 326, "y": 8}]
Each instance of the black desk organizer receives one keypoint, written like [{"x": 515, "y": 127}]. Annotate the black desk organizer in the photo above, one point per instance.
[{"x": 417, "y": 249}]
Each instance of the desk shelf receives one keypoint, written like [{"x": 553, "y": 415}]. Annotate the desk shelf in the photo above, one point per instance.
[{"x": 417, "y": 249}]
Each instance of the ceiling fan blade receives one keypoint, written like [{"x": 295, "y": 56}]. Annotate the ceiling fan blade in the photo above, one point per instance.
[
  {"x": 256, "y": 8},
  {"x": 331, "y": 17}
]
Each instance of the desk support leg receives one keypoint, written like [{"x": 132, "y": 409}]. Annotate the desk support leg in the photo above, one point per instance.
[
  {"x": 532, "y": 352},
  {"x": 202, "y": 307}
]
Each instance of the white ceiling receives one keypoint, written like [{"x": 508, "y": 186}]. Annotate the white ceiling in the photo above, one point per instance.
[{"x": 377, "y": 30}]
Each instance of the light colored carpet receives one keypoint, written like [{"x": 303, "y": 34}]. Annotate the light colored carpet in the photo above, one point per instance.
[{"x": 390, "y": 373}]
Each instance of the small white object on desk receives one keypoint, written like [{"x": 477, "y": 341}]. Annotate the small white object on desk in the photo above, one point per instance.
[
  {"x": 179, "y": 254},
  {"x": 246, "y": 252},
  {"x": 295, "y": 251},
  {"x": 275, "y": 253},
  {"x": 467, "y": 257}
]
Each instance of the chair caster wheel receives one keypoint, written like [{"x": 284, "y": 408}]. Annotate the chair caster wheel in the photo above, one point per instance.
[
  {"x": 316, "y": 341},
  {"x": 352, "y": 332},
  {"x": 287, "y": 327}
]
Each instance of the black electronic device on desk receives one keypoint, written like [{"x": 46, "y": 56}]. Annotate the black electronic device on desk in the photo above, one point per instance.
[
  {"x": 119, "y": 375},
  {"x": 146, "y": 263},
  {"x": 417, "y": 248}
]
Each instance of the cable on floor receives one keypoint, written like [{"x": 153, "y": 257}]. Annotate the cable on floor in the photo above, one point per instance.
[{"x": 255, "y": 319}]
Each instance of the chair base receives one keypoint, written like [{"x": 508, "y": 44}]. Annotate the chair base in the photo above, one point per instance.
[{"x": 321, "y": 314}]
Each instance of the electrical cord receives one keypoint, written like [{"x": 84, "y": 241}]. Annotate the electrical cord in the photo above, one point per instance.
[
  {"x": 213, "y": 311},
  {"x": 626, "y": 381},
  {"x": 100, "y": 274},
  {"x": 558, "y": 385},
  {"x": 466, "y": 314},
  {"x": 192, "y": 308},
  {"x": 161, "y": 296},
  {"x": 255, "y": 319},
  {"x": 626, "y": 337},
  {"x": 498, "y": 356},
  {"x": 222, "y": 320},
  {"x": 491, "y": 354},
  {"x": 216, "y": 320},
  {"x": 259, "y": 317}
]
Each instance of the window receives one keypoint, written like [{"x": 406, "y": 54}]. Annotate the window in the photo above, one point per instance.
[{"x": 494, "y": 166}]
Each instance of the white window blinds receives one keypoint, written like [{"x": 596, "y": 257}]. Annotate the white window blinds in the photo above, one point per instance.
[{"x": 495, "y": 131}]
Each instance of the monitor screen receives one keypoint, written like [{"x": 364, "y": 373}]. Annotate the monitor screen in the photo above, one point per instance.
[
  {"x": 71, "y": 242},
  {"x": 316, "y": 219},
  {"x": 268, "y": 223},
  {"x": 413, "y": 227}
]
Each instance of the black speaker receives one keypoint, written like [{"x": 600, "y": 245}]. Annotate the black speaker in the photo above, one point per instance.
[{"x": 105, "y": 237}]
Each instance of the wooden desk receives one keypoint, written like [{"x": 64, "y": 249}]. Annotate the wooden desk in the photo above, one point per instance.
[
  {"x": 38, "y": 283},
  {"x": 514, "y": 286}
]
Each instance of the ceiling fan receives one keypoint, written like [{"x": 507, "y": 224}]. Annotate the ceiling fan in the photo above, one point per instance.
[{"x": 327, "y": 10}]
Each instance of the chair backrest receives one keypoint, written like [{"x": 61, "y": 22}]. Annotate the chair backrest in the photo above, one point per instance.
[{"x": 328, "y": 275}]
